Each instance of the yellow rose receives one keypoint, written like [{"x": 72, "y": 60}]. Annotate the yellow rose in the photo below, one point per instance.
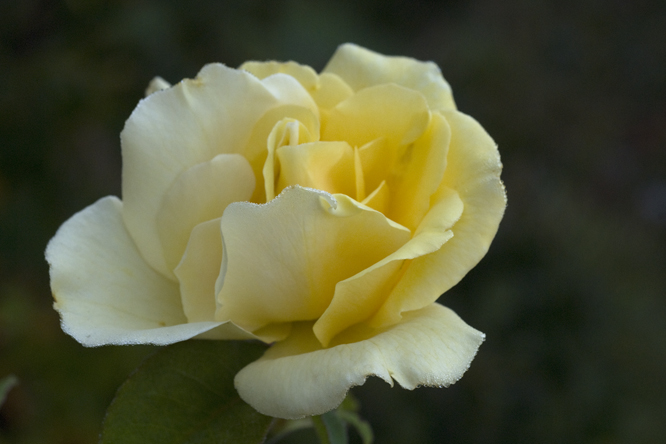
[{"x": 322, "y": 213}]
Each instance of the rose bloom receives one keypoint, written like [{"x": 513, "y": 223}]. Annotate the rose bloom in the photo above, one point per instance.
[{"x": 321, "y": 213}]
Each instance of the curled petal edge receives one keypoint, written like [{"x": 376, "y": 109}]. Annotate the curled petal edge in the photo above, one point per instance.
[{"x": 297, "y": 377}]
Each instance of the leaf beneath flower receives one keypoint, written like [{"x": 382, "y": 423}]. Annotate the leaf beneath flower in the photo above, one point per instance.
[{"x": 184, "y": 394}]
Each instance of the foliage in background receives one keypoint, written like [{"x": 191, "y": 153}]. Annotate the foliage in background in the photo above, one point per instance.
[{"x": 571, "y": 295}]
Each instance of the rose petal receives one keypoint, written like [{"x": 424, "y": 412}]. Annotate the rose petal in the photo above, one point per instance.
[
  {"x": 157, "y": 84},
  {"x": 283, "y": 259},
  {"x": 326, "y": 89},
  {"x": 297, "y": 378},
  {"x": 418, "y": 173},
  {"x": 185, "y": 125},
  {"x": 473, "y": 170},
  {"x": 377, "y": 159},
  {"x": 287, "y": 132},
  {"x": 332, "y": 90},
  {"x": 398, "y": 114},
  {"x": 305, "y": 75},
  {"x": 104, "y": 290},
  {"x": 361, "y": 68},
  {"x": 326, "y": 166},
  {"x": 197, "y": 273},
  {"x": 199, "y": 194},
  {"x": 260, "y": 149},
  {"x": 379, "y": 198},
  {"x": 198, "y": 270},
  {"x": 358, "y": 298}
]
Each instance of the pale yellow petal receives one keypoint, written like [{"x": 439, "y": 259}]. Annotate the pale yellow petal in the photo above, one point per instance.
[
  {"x": 379, "y": 198},
  {"x": 331, "y": 91},
  {"x": 360, "y": 297},
  {"x": 105, "y": 292},
  {"x": 305, "y": 75},
  {"x": 283, "y": 259},
  {"x": 398, "y": 114},
  {"x": 197, "y": 273},
  {"x": 287, "y": 132},
  {"x": 200, "y": 194},
  {"x": 377, "y": 159},
  {"x": 473, "y": 171},
  {"x": 361, "y": 68},
  {"x": 297, "y": 378},
  {"x": 418, "y": 173},
  {"x": 288, "y": 90},
  {"x": 185, "y": 125},
  {"x": 326, "y": 166},
  {"x": 261, "y": 147},
  {"x": 327, "y": 89}
]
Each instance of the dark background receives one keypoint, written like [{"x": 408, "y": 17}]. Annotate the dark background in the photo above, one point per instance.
[{"x": 572, "y": 293}]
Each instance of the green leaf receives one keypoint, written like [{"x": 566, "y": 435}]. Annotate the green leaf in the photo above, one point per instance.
[
  {"x": 6, "y": 385},
  {"x": 184, "y": 394}
]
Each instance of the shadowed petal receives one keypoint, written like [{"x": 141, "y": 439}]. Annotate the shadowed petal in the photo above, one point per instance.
[{"x": 200, "y": 194}]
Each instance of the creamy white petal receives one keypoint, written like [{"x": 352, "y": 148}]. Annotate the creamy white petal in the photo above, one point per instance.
[
  {"x": 105, "y": 292},
  {"x": 200, "y": 194},
  {"x": 297, "y": 378},
  {"x": 361, "y": 68},
  {"x": 185, "y": 125},
  {"x": 198, "y": 271},
  {"x": 157, "y": 84}
]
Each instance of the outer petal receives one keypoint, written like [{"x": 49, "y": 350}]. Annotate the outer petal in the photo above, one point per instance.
[
  {"x": 473, "y": 170},
  {"x": 362, "y": 68},
  {"x": 297, "y": 378},
  {"x": 189, "y": 123},
  {"x": 157, "y": 84},
  {"x": 104, "y": 290},
  {"x": 283, "y": 259}
]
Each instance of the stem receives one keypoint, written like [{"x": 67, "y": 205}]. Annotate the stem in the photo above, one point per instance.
[{"x": 320, "y": 428}]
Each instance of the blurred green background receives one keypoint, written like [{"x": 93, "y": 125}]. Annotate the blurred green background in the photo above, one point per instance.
[{"x": 572, "y": 293}]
